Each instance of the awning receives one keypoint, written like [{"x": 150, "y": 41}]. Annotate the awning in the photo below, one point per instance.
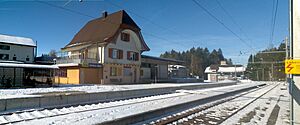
[{"x": 35, "y": 66}]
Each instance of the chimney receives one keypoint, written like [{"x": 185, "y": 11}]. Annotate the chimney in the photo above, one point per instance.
[{"x": 104, "y": 14}]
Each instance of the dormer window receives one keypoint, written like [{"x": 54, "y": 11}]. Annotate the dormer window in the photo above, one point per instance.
[{"x": 125, "y": 37}]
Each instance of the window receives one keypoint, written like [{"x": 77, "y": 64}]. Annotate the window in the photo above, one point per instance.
[
  {"x": 115, "y": 53},
  {"x": 4, "y": 47},
  {"x": 4, "y": 56},
  {"x": 142, "y": 72},
  {"x": 125, "y": 37},
  {"x": 132, "y": 56},
  {"x": 115, "y": 71}
]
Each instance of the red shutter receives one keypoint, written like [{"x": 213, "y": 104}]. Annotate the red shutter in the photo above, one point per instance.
[
  {"x": 128, "y": 55},
  {"x": 120, "y": 54},
  {"x": 137, "y": 55},
  {"x": 110, "y": 51}
]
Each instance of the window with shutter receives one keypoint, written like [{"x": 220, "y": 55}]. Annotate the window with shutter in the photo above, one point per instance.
[
  {"x": 110, "y": 51},
  {"x": 134, "y": 56},
  {"x": 120, "y": 54},
  {"x": 115, "y": 53},
  {"x": 113, "y": 71}
]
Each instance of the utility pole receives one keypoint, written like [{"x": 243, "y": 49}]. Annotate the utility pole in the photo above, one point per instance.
[
  {"x": 272, "y": 71},
  {"x": 294, "y": 84},
  {"x": 235, "y": 72},
  {"x": 263, "y": 74}
]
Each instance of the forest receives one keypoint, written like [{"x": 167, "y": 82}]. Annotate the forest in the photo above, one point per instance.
[{"x": 197, "y": 59}]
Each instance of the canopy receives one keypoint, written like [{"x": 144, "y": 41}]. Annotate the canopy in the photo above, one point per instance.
[{"x": 35, "y": 66}]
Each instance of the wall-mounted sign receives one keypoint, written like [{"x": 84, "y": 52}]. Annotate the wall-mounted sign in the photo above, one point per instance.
[
  {"x": 292, "y": 66},
  {"x": 96, "y": 65}
]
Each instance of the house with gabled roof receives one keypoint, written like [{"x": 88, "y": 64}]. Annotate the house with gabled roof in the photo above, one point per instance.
[{"x": 106, "y": 50}]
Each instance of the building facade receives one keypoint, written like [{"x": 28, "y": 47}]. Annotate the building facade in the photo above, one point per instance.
[
  {"x": 13, "y": 48},
  {"x": 223, "y": 71},
  {"x": 156, "y": 69},
  {"x": 106, "y": 50},
  {"x": 17, "y": 63}
]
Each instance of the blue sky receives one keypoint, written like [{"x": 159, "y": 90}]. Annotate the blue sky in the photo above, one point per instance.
[{"x": 169, "y": 24}]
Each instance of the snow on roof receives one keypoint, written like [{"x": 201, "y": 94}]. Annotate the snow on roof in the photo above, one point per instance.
[
  {"x": 16, "y": 40},
  {"x": 67, "y": 64},
  {"x": 231, "y": 69},
  {"x": 226, "y": 69},
  {"x": 14, "y": 65}
]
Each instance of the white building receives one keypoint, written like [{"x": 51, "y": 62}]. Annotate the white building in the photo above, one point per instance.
[
  {"x": 224, "y": 72},
  {"x": 107, "y": 50},
  {"x": 17, "y": 55},
  {"x": 14, "y": 48},
  {"x": 178, "y": 71}
]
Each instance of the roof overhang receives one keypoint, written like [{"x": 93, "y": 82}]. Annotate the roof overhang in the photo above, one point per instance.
[{"x": 35, "y": 66}]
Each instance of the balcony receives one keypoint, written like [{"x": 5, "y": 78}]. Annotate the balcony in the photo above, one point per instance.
[{"x": 77, "y": 58}]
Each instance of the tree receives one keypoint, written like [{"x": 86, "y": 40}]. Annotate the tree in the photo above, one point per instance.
[
  {"x": 52, "y": 53},
  {"x": 267, "y": 71},
  {"x": 220, "y": 54},
  {"x": 197, "y": 59}
]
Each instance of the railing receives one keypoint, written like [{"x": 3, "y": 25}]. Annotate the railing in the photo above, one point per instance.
[{"x": 77, "y": 58}]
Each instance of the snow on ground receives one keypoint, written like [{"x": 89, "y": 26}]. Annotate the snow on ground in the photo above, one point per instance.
[
  {"x": 217, "y": 114},
  {"x": 17, "y": 93},
  {"x": 264, "y": 110},
  {"x": 125, "y": 109}
]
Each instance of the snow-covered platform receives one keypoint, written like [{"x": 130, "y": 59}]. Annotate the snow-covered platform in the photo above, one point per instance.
[
  {"x": 134, "y": 110},
  {"x": 22, "y": 99}
]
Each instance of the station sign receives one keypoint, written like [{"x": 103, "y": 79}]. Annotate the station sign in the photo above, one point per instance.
[
  {"x": 92, "y": 65},
  {"x": 292, "y": 66}
]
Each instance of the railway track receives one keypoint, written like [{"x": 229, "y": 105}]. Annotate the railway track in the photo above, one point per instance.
[
  {"x": 27, "y": 115},
  {"x": 24, "y": 116},
  {"x": 215, "y": 112}
]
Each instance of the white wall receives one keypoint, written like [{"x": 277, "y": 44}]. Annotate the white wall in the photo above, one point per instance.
[
  {"x": 21, "y": 52},
  {"x": 162, "y": 71},
  {"x": 133, "y": 45},
  {"x": 296, "y": 55},
  {"x": 146, "y": 73}
]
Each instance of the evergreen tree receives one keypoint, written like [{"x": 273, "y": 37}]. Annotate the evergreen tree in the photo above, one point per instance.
[{"x": 197, "y": 59}]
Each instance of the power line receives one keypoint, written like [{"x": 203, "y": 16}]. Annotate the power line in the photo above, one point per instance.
[
  {"x": 225, "y": 26},
  {"x": 233, "y": 20},
  {"x": 146, "y": 19},
  {"x": 89, "y": 16},
  {"x": 66, "y": 9},
  {"x": 273, "y": 22}
]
